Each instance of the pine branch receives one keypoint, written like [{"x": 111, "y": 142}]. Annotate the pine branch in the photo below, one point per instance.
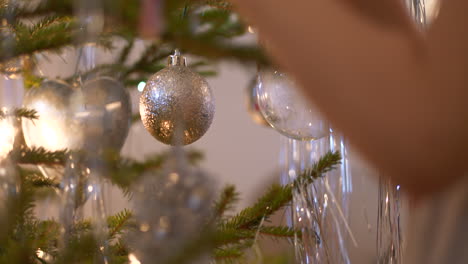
[
  {"x": 37, "y": 180},
  {"x": 274, "y": 199},
  {"x": 26, "y": 113},
  {"x": 278, "y": 232},
  {"x": 125, "y": 52},
  {"x": 118, "y": 222},
  {"x": 40, "y": 156},
  {"x": 228, "y": 255},
  {"x": 124, "y": 171},
  {"x": 326, "y": 163},
  {"x": 233, "y": 253},
  {"x": 219, "y": 4},
  {"x": 229, "y": 196},
  {"x": 20, "y": 113},
  {"x": 232, "y": 236}
]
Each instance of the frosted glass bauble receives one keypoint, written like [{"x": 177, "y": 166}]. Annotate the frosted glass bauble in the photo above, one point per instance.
[{"x": 286, "y": 110}]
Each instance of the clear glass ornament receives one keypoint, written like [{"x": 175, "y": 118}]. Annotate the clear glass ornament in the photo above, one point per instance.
[
  {"x": 72, "y": 117},
  {"x": 73, "y": 195},
  {"x": 252, "y": 103},
  {"x": 319, "y": 210},
  {"x": 11, "y": 93},
  {"x": 286, "y": 110},
  {"x": 171, "y": 207},
  {"x": 98, "y": 192},
  {"x": 9, "y": 193},
  {"x": 9, "y": 177},
  {"x": 8, "y": 134}
]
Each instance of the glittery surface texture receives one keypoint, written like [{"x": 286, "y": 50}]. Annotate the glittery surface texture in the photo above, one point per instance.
[
  {"x": 177, "y": 99},
  {"x": 171, "y": 207}
]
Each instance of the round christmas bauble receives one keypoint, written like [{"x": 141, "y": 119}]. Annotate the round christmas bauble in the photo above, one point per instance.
[
  {"x": 252, "y": 103},
  {"x": 69, "y": 117},
  {"x": 56, "y": 128},
  {"x": 177, "y": 99},
  {"x": 286, "y": 110},
  {"x": 12, "y": 68},
  {"x": 102, "y": 105},
  {"x": 9, "y": 133},
  {"x": 170, "y": 208},
  {"x": 93, "y": 117}
]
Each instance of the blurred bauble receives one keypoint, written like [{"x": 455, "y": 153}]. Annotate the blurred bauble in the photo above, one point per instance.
[
  {"x": 9, "y": 190},
  {"x": 286, "y": 110},
  {"x": 9, "y": 131},
  {"x": 93, "y": 117},
  {"x": 103, "y": 106},
  {"x": 177, "y": 99},
  {"x": 10, "y": 68},
  {"x": 252, "y": 103},
  {"x": 171, "y": 208},
  {"x": 57, "y": 128}
]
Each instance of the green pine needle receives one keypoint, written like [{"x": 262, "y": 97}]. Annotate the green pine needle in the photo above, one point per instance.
[
  {"x": 40, "y": 156},
  {"x": 20, "y": 113},
  {"x": 117, "y": 223},
  {"x": 229, "y": 197}
]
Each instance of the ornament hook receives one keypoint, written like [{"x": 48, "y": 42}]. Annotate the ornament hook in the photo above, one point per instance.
[{"x": 177, "y": 59}]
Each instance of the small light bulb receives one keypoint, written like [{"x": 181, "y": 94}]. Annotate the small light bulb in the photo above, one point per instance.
[
  {"x": 133, "y": 259},
  {"x": 39, "y": 253}
]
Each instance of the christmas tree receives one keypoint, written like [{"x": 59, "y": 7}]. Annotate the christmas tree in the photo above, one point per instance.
[{"x": 200, "y": 28}]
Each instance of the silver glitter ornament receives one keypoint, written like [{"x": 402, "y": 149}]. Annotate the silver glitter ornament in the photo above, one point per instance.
[
  {"x": 177, "y": 98},
  {"x": 93, "y": 117},
  {"x": 171, "y": 208}
]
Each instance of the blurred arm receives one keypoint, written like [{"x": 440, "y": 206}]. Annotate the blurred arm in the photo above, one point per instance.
[{"x": 399, "y": 98}]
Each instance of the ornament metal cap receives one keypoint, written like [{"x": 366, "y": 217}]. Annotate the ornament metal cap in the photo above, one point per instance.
[{"x": 177, "y": 59}]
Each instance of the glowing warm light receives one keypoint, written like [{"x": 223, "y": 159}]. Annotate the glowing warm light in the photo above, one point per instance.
[
  {"x": 90, "y": 188},
  {"x": 113, "y": 106},
  {"x": 141, "y": 86},
  {"x": 133, "y": 259},
  {"x": 164, "y": 222},
  {"x": 52, "y": 129},
  {"x": 250, "y": 29},
  {"x": 7, "y": 132},
  {"x": 40, "y": 253},
  {"x": 174, "y": 177},
  {"x": 144, "y": 227}
]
